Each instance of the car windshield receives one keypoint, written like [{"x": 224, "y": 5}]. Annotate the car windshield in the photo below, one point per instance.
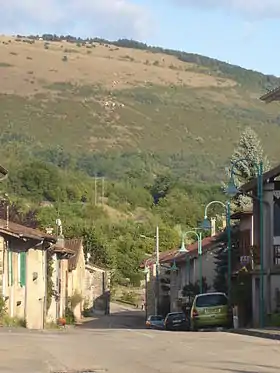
[
  {"x": 177, "y": 316},
  {"x": 211, "y": 300},
  {"x": 156, "y": 318}
]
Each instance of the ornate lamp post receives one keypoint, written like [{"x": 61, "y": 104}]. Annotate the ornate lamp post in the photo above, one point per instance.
[{"x": 206, "y": 224}]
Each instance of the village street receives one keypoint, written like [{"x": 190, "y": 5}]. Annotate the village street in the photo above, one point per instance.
[{"x": 117, "y": 344}]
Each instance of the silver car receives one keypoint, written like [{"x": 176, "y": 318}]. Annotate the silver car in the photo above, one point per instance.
[{"x": 155, "y": 322}]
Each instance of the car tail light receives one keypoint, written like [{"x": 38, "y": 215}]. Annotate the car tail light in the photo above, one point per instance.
[{"x": 194, "y": 313}]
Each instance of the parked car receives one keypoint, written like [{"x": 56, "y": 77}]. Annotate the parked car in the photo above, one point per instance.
[
  {"x": 211, "y": 310},
  {"x": 155, "y": 322},
  {"x": 176, "y": 321}
]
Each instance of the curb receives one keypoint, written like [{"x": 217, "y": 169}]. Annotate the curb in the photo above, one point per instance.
[{"x": 255, "y": 333}]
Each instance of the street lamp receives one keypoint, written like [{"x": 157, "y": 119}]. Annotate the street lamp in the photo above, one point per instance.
[
  {"x": 146, "y": 272},
  {"x": 157, "y": 269},
  {"x": 233, "y": 190},
  {"x": 183, "y": 250},
  {"x": 206, "y": 224}
]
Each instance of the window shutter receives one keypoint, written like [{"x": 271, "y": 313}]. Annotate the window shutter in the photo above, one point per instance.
[
  {"x": 10, "y": 268},
  {"x": 22, "y": 269}
]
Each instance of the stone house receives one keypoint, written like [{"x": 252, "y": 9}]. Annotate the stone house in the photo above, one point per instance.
[
  {"x": 96, "y": 289},
  {"x": 59, "y": 256},
  {"x": 23, "y": 270}
]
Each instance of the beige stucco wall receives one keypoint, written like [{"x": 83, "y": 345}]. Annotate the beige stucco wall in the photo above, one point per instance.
[
  {"x": 35, "y": 288},
  {"x": 2, "y": 282},
  {"x": 76, "y": 284},
  {"x": 60, "y": 283},
  {"x": 13, "y": 292},
  {"x": 63, "y": 286}
]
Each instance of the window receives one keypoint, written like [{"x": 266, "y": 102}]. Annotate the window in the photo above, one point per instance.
[
  {"x": 211, "y": 300},
  {"x": 245, "y": 241},
  {"x": 276, "y": 217},
  {"x": 156, "y": 318},
  {"x": 277, "y": 254}
]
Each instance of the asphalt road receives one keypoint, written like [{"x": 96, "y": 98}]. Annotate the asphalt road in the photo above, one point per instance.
[{"x": 119, "y": 344}]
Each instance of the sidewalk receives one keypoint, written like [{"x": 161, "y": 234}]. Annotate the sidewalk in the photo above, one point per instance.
[{"x": 268, "y": 333}]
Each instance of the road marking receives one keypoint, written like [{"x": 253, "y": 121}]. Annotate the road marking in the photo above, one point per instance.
[{"x": 141, "y": 333}]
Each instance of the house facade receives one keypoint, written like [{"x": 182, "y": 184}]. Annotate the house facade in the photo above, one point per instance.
[
  {"x": 76, "y": 276},
  {"x": 171, "y": 282},
  {"x": 23, "y": 263},
  {"x": 41, "y": 276},
  {"x": 58, "y": 255},
  {"x": 188, "y": 269},
  {"x": 271, "y": 242}
]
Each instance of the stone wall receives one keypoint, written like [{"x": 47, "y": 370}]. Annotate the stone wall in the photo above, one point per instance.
[{"x": 96, "y": 285}]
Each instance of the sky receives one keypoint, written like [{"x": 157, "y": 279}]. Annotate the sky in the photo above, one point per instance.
[{"x": 241, "y": 32}]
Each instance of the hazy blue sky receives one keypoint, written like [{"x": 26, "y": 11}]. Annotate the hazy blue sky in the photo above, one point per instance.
[{"x": 242, "y": 32}]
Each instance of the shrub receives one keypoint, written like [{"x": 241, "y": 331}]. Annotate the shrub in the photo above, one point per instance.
[
  {"x": 75, "y": 300},
  {"x": 69, "y": 316}
]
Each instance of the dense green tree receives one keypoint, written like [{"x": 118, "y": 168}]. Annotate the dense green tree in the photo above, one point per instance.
[{"x": 246, "y": 156}]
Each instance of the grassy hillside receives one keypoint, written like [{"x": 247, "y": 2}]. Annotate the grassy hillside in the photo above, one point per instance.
[{"x": 183, "y": 112}]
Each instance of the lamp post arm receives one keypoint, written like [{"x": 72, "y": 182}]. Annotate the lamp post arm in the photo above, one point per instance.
[
  {"x": 191, "y": 232},
  {"x": 212, "y": 203}
]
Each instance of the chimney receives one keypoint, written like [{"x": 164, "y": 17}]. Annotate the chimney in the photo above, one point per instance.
[{"x": 213, "y": 227}]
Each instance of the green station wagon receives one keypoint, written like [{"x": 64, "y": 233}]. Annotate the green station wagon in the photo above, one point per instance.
[{"x": 211, "y": 310}]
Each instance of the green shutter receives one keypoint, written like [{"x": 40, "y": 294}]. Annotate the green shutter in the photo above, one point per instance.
[{"x": 22, "y": 268}]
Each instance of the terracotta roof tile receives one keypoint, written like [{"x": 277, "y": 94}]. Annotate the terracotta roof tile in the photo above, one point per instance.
[
  {"x": 24, "y": 231},
  {"x": 171, "y": 255},
  {"x": 76, "y": 245},
  {"x": 192, "y": 250},
  {"x": 60, "y": 249}
]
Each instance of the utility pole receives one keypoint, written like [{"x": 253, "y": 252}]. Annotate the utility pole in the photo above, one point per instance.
[
  {"x": 157, "y": 272},
  {"x": 103, "y": 189},
  {"x": 95, "y": 190}
]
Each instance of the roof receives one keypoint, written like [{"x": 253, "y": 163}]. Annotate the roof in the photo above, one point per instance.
[
  {"x": 3, "y": 172},
  {"x": 267, "y": 177},
  {"x": 238, "y": 215},
  {"x": 93, "y": 267},
  {"x": 273, "y": 95},
  {"x": 21, "y": 231},
  {"x": 76, "y": 245},
  {"x": 207, "y": 243},
  {"x": 62, "y": 250},
  {"x": 162, "y": 256}
]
